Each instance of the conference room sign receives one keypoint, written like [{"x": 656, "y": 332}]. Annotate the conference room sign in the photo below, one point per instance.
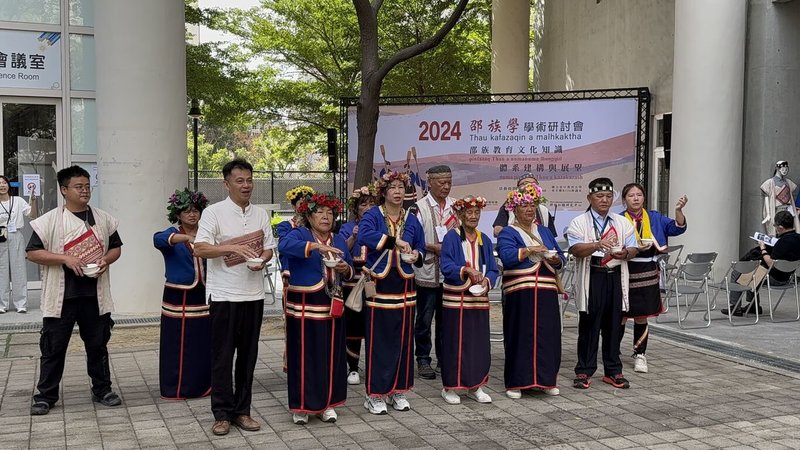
[
  {"x": 488, "y": 146},
  {"x": 30, "y": 59}
]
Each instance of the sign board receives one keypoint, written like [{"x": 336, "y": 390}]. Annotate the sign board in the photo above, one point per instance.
[
  {"x": 30, "y": 59},
  {"x": 564, "y": 143}
]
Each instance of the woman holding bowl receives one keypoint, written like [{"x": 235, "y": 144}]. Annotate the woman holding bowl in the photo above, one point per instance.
[
  {"x": 652, "y": 230},
  {"x": 359, "y": 202},
  {"x": 315, "y": 337},
  {"x": 470, "y": 271},
  {"x": 531, "y": 312},
  {"x": 394, "y": 240},
  {"x": 185, "y": 350}
]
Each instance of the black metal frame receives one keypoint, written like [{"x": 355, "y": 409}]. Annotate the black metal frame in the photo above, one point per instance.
[{"x": 642, "y": 94}]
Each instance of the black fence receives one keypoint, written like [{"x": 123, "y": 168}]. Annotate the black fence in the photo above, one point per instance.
[{"x": 269, "y": 186}]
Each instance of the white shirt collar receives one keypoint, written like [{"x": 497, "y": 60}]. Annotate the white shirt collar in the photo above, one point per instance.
[
  {"x": 448, "y": 201},
  {"x": 237, "y": 207}
]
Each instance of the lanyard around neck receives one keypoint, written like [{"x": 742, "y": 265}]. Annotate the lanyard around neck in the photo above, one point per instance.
[{"x": 598, "y": 233}]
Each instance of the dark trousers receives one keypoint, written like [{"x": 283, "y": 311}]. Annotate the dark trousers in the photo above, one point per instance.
[
  {"x": 95, "y": 332},
  {"x": 602, "y": 318},
  {"x": 235, "y": 328},
  {"x": 429, "y": 306}
]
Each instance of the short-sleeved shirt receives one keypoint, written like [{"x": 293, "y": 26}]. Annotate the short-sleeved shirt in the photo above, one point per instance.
[
  {"x": 787, "y": 249},
  {"x": 75, "y": 286},
  {"x": 601, "y": 225},
  {"x": 223, "y": 221},
  {"x": 13, "y": 212}
]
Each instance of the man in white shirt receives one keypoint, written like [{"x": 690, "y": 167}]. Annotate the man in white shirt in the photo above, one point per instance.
[
  {"x": 229, "y": 234},
  {"x": 436, "y": 215}
]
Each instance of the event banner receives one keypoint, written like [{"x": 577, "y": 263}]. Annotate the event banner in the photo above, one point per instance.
[
  {"x": 30, "y": 59},
  {"x": 488, "y": 146}
]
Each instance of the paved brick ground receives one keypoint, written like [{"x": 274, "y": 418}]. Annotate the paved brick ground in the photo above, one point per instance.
[{"x": 690, "y": 399}]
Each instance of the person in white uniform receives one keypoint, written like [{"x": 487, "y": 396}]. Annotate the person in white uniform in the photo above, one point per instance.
[{"x": 13, "y": 210}]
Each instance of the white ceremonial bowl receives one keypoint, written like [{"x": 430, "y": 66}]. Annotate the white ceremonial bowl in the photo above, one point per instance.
[
  {"x": 331, "y": 262},
  {"x": 255, "y": 262},
  {"x": 407, "y": 257},
  {"x": 476, "y": 289},
  {"x": 90, "y": 270}
]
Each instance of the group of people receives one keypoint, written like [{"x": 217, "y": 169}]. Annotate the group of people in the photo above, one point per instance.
[{"x": 404, "y": 268}]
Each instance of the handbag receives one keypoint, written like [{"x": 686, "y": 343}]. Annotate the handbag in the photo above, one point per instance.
[{"x": 364, "y": 286}]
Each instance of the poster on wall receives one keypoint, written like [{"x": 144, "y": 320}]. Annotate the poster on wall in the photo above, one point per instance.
[
  {"x": 488, "y": 146},
  {"x": 30, "y": 59}
]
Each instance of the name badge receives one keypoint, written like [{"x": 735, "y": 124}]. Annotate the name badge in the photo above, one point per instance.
[
  {"x": 440, "y": 232},
  {"x": 12, "y": 227}
]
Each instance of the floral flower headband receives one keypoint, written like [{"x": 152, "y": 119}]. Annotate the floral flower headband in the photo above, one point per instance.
[
  {"x": 370, "y": 190},
  {"x": 390, "y": 176},
  {"x": 469, "y": 201},
  {"x": 293, "y": 195},
  {"x": 311, "y": 203},
  {"x": 181, "y": 201},
  {"x": 530, "y": 194}
]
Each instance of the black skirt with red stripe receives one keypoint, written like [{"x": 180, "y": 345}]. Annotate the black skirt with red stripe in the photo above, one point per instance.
[
  {"x": 644, "y": 293},
  {"x": 185, "y": 347},
  {"x": 466, "y": 357},
  {"x": 531, "y": 328},
  {"x": 315, "y": 352}
]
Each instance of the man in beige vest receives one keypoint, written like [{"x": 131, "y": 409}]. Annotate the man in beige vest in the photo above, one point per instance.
[
  {"x": 437, "y": 217},
  {"x": 74, "y": 245}
]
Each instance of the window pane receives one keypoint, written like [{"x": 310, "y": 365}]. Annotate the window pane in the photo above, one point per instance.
[
  {"x": 81, "y": 62},
  {"x": 81, "y": 12},
  {"x": 83, "y": 116},
  {"x": 34, "y": 11}
]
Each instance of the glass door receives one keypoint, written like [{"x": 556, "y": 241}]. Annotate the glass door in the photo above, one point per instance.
[{"x": 29, "y": 138}]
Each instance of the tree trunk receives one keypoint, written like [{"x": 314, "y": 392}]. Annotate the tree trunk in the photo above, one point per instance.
[{"x": 367, "y": 120}]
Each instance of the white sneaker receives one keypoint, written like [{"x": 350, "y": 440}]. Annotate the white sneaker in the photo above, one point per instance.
[
  {"x": 353, "y": 378},
  {"x": 399, "y": 401},
  {"x": 479, "y": 396},
  {"x": 451, "y": 397},
  {"x": 548, "y": 391},
  {"x": 514, "y": 393},
  {"x": 375, "y": 405},
  {"x": 299, "y": 418},
  {"x": 640, "y": 363},
  {"x": 329, "y": 415}
]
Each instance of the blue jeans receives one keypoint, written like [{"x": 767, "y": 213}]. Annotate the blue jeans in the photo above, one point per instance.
[{"x": 429, "y": 305}]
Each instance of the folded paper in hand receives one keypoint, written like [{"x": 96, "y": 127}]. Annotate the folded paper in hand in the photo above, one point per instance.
[
  {"x": 766, "y": 239},
  {"x": 254, "y": 240}
]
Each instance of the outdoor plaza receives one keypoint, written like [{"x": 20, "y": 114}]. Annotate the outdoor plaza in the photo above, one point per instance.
[{"x": 716, "y": 387}]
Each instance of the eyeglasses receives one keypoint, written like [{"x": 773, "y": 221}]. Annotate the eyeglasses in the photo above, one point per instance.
[{"x": 81, "y": 187}]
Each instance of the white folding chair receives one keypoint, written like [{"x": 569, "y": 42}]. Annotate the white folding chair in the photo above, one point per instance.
[
  {"x": 788, "y": 267},
  {"x": 748, "y": 271},
  {"x": 691, "y": 279}
]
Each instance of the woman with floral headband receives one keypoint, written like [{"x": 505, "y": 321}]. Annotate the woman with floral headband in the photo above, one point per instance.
[
  {"x": 470, "y": 271},
  {"x": 185, "y": 351},
  {"x": 531, "y": 312},
  {"x": 293, "y": 196},
  {"x": 359, "y": 202},
  {"x": 394, "y": 240},
  {"x": 318, "y": 261}
]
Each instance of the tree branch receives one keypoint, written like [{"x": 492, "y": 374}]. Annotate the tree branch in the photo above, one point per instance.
[
  {"x": 376, "y": 5},
  {"x": 416, "y": 49}
]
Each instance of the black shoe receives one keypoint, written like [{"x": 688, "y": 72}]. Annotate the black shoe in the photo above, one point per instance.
[
  {"x": 426, "y": 371},
  {"x": 110, "y": 399},
  {"x": 750, "y": 310},
  {"x": 618, "y": 381},
  {"x": 738, "y": 312},
  {"x": 40, "y": 408},
  {"x": 582, "y": 381}
]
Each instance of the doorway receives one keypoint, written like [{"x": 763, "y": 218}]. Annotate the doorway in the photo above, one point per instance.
[{"x": 30, "y": 136}]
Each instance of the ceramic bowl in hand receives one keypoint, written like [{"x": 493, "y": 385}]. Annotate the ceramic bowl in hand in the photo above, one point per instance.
[
  {"x": 477, "y": 289},
  {"x": 550, "y": 253},
  {"x": 331, "y": 262},
  {"x": 90, "y": 270},
  {"x": 255, "y": 262},
  {"x": 616, "y": 249},
  {"x": 408, "y": 257}
]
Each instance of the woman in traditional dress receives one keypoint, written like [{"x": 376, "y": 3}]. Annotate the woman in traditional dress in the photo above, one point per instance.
[
  {"x": 185, "y": 350},
  {"x": 12, "y": 250},
  {"x": 315, "y": 337},
  {"x": 293, "y": 196},
  {"x": 394, "y": 240},
  {"x": 359, "y": 202},
  {"x": 470, "y": 271},
  {"x": 652, "y": 230},
  {"x": 531, "y": 312}
]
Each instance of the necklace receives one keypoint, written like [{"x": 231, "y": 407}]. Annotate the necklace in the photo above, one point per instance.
[{"x": 395, "y": 227}]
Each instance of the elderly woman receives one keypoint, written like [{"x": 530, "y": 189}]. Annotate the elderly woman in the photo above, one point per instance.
[
  {"x": 394, "y": 240},
  {"x": 318, "y": 260},
  {"x": 359, "y": 202},
  {"x": 293, "y": 196},
  {"x": 470, "y": 271},
  {"x": 644, "y": 297},
  {"x": 13, "y": 210},
  {"x": 185, "y": 351},
  {"x": 531, "y": 312}
]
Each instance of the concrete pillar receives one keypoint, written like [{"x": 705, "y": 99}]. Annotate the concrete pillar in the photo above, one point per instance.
[
  {"x": 510, "y": 45},
  {"x": 772, "y": 102},
  {"x": 707, "y": 105},
  {"x": 141, "y": 135}
]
